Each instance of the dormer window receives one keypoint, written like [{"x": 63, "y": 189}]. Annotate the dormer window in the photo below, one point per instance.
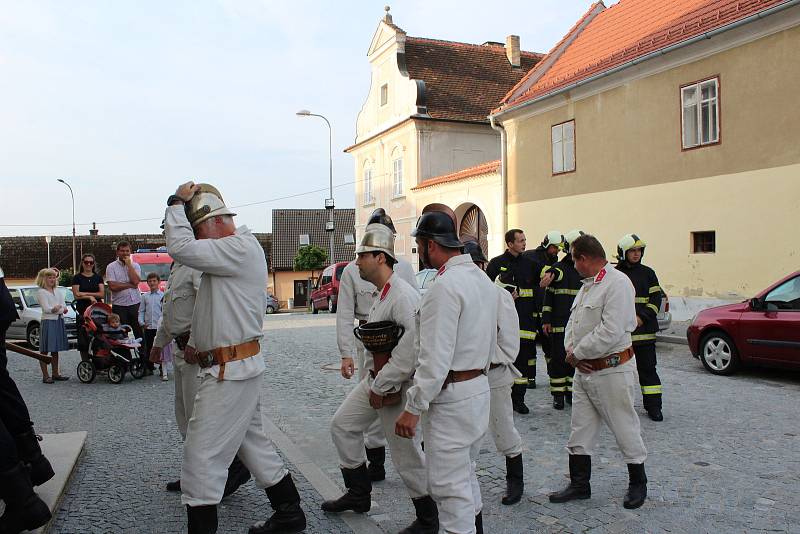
[{"x": 384, "y": 94}]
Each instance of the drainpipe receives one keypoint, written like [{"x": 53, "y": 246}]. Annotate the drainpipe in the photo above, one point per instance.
[{"x": 503, "y": 176}]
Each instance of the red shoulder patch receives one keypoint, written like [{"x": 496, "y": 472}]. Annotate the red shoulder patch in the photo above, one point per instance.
[
  {"x": 386, "y": 289},
  {"x": 600, "y": 276}
]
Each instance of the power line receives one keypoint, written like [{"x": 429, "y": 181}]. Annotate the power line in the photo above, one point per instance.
[{"x": 147, "y": 219}]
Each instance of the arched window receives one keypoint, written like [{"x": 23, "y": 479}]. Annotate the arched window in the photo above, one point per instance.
[{"x": 397, "y": 172}]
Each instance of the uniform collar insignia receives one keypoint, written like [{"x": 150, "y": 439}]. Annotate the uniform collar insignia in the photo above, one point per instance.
[
  {"x": 386, "y": 289},
  {"x": 441, "y": 270},
  {"x": 600, "y": 276}
]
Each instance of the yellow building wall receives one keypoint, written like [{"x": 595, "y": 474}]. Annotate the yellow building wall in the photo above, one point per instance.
[
  {"x": 632, "y": 176},
  {"x": 284, "y": 284}
]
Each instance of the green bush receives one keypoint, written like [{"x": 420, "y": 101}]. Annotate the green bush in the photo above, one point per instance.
[{"x": 65, "y": 278}]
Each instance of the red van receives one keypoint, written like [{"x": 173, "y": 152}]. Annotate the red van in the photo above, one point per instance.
[
  {"x": 153, "y": 261},
  {"x": 326, "y": 294}
]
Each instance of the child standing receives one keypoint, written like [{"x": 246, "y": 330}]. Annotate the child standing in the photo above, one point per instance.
[
  {"x": 53, "y": 333},
  {"x": 149, "y": 316}
]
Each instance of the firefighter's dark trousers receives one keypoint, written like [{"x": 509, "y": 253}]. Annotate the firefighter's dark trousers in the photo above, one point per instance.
[
  {"x": 527, "y": 353},
  {"x": 560, "y": 371},
  {"x": 648, "y": 376}
]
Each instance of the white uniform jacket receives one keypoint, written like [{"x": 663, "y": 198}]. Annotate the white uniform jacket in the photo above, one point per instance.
[
  {"x": 230, "y": 304},
  {"x": 178, "y": 305},
  {"x": 398, "y": 302},
  {"x": 507, "y": 333},
  {"x": 355, "y": 299},
  {"x": 603, "y": 316},
  {"x": 457, "y": 331}
]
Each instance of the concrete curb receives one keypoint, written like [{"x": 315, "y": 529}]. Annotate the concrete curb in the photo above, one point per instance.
[
  {"x": 360, "y": 523},
  {"x": 64, "y": 452}
]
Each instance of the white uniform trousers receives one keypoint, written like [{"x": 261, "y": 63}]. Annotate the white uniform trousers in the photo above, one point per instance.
[
  {"x": 347, "y": 428},
  {"x": 501, "y": 412},
  {"x": 453, "y": 434},
  {"x": 186, "y": 382},
  {"x": 606, "y": 398},
  {"x": 374, "y": 436},
  {"x": 226, "y": 421}
]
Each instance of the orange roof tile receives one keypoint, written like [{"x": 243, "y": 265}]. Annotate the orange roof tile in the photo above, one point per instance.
[
  {"x": 478, "y": 170},
  {"x": 626, "y": 31}
]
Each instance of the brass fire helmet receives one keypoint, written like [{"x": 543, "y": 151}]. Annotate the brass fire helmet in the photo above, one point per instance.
[
  {"x": 206, "y": 203},
  {"x": 377, "y": 238}
]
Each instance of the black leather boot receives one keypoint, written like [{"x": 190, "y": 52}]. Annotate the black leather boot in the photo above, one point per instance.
[
  {"x": 376, "y": 459},
  {"x": 288, "y": 516},
  {"x": 24, "y": 509},
  {"x": 174, "y": 486},
  {"x": 514, "y": 482},
  {"x": 31, "y": 454},
  {"x": 427, "y": 521},
  {"x": 568, "y": 397},
  {"x": 558, "y": 401},
  {"x": 237, "y": 475},
  {"x": 479, "y": 523},
  {"x": 580, "y": 471},
  {"x": 359, "y": 490},
  {"x": 202, "y": 519},
  {"x": 637, "y": 487},
  {"x": 655, "y": 414},
  {"x": 518, "y": 398}
]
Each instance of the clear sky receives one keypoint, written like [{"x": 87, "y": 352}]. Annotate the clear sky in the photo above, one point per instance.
[{"x": 125, "y": 100}]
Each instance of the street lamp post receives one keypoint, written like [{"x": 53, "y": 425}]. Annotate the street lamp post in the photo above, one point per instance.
[
  {"x": 47, "y": 239},
  {"x": 74, "y": 264},
  {"x": 329, "y": 204}
]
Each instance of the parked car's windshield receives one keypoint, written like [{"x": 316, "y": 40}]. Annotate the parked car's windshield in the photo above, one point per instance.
[
  {"x": 161, "y": 269},
  {"x": 29, "y": 294},
  {"x": 339, "y": 270}
]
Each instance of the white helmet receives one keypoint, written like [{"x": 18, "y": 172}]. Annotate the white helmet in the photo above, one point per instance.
[
  {"x": 553, "y": 237},
  {"x": 628, "y": 242},
  {"x": 570, "y": 237}
]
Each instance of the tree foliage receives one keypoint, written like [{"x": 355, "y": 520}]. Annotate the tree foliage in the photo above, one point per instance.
[{"x": 310, "y": 258}]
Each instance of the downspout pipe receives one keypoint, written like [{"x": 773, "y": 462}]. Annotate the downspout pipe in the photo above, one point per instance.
[
  {"x": 651, "y": 55},
  {"x": 503, "y": 173}
]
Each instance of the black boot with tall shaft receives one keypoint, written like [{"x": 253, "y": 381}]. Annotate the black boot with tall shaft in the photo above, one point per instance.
[
  {"x": 514, "y": 482},
  {"x": 427, "y": 521},
  {"x": 30, "y": 453},
  {"x": 580, "y": 471},
  {"x": 376, "y": 458},
  {"x": 202, "y": 519},
  {"x": 359, "y": 491},
  {"x": 637, "y": 487},
  {"x": 288, "y": 516}
]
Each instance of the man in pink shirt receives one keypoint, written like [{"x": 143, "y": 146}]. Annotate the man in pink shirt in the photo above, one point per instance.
[{"x": 123, "y": 277}]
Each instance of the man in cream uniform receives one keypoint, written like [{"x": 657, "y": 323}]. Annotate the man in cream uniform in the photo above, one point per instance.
[
  {"x": 356, "y": 297},
  {"x": 457, "y": 340},
  {"x": 226, "y": 329},
  {"x": 176, "y": 323},
  {"x": 598, "y": 345},
  {"x": 368, "y": 401},
  {"x": 501, "y": 377}
]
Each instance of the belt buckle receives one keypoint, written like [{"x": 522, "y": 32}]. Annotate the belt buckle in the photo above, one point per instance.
[
  {"x": 205, "y": 359},
  {"x": 613, "y": 361}
]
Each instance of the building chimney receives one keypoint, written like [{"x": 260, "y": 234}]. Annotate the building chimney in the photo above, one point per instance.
[
  {"x": 94, "y": 230},
  {"x": 512, "y": 50}
]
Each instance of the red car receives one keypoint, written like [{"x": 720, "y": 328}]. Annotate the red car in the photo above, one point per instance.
[
  {"x": 763, "y": 331},
  {"x": 326, "y": 295}
]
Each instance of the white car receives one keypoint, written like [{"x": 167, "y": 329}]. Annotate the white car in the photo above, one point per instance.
[{"x": 28, "y": 325}]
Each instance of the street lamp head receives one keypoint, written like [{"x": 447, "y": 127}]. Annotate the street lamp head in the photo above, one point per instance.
[
  {"x": 60, "y": 180},
  {"x": 303, "y": 113}
]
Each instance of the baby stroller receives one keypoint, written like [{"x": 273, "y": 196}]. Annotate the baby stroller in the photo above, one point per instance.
[{"x": 106, "y": 354}]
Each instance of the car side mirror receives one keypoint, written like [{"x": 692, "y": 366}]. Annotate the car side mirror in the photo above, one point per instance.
[{"x": 756, "y": 304}]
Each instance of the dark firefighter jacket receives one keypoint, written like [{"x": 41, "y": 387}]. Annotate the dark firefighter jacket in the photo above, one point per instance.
[
  {"x": 523, "y": 274},
  {"x": 560, "y": 294},
  {"x": 648, "y": 300}
]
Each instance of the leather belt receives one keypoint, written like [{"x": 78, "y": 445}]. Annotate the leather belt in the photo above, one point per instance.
[
  {"x": 494, "y": 365},
  {"x": 461, "y": 376},
  {"x": 182, "y": 340},
  {"x": 222, "y": 355},
  {"x": 615, "y": 360},
  {"x": 390, "y": 399},
  {"x": 361, "y": 322}
]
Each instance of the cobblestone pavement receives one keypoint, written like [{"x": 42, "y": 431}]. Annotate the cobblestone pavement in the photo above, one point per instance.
[{"x": 726, "y": 459}]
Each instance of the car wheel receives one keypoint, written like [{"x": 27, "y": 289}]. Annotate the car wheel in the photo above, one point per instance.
[
  {"x": 270, "y": 310},
  {"x": 33, "y": 334},
  {"x": 719, "y": 354},
  {"x": 314, "y": 309},
  {"x": 331, "y": 306},
  {"x": 116, "y": 374},
  {"x": 86, "y": 372}
]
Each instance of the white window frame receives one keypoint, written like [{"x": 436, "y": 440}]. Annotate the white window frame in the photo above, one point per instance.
[
  {"x": 304, "y": 240},
  {"x": 704, "y": 130},
  {"x": 368, "y": 198},
  {"x": 383, "y": 98},
  {"x": 397, "y": 176},
  {"x": 349, "y": 239},
  {"x": 562, "y": 142}
]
